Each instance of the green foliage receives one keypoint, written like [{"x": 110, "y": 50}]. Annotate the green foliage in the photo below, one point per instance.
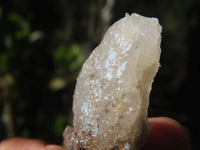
[
  {"x": 22, "y": 27},
  {"x": 67, "y": 57},
  {"x": 4, "y": 63},
  {"x": 60, "y": 123},
  {"x": 25, "y": 57}
]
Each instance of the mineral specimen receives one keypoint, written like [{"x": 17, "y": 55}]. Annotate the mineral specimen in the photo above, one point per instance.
[{"x": 112, "y": 92}]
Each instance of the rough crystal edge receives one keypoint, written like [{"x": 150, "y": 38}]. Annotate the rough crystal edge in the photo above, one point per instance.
[{"x": 139, "y": 140}]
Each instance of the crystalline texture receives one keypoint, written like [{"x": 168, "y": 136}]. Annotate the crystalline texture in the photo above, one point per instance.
[{"x": 112, "y": 91}]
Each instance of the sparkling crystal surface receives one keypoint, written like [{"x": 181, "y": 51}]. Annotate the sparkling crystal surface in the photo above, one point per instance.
[{"x": 112, "y": 92}]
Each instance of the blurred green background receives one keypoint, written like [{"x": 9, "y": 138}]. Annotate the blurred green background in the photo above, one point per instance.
[{"x": 43, "y": 44}]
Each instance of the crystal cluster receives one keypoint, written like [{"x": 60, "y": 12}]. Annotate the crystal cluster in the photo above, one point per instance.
[{"x": 112, "y": 92}]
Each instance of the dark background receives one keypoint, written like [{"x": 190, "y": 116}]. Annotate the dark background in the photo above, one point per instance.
[{"x": 44, "y": 43}]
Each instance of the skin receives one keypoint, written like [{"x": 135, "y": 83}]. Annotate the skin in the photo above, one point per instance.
[{"x": 166, "y": 134}]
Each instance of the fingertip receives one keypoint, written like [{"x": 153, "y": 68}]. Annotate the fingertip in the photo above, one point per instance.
[
  {"x": 27, "y": 144},
  {"x": 167, "y": 134},
  {"x": 21, "y": 144},
  {"x": 54, "y": 147}
]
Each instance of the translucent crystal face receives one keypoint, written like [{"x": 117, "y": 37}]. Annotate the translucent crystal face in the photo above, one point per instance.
[{"x": 112, "y": 91}]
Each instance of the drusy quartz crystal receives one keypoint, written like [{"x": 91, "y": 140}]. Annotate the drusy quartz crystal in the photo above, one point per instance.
[{"x": 112, "y": 91}]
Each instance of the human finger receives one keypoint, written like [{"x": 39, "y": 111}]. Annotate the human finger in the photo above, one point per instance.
[
  {"x": 167, "y": 134},
  {"x": 26, "y": 144}
]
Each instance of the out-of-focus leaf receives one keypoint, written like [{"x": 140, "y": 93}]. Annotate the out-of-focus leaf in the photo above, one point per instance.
[
  {"x": 67, "y": 58},
  {"x": 61, "y": 122},
  {"x": 4, "y": 63},
  {"x": 24, "y": 32},
  {"x": 8, "y": 41},
  {"x": 15, "y": 18},
  {"x": 36, "y": 35},
  {"x": 24, "y": 29},
  {"x": 5, "y": 117},
  {"x": 57, "y": 84},
  {"x": 74, "y": 51},
  {"x": 76, "y": 57},
  {"x": 59, "y": 56},
  {"x": 66, "y": 55}
]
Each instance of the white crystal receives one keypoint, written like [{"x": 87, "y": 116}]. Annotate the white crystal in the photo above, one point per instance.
[{"x": 112, "y": 91}]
